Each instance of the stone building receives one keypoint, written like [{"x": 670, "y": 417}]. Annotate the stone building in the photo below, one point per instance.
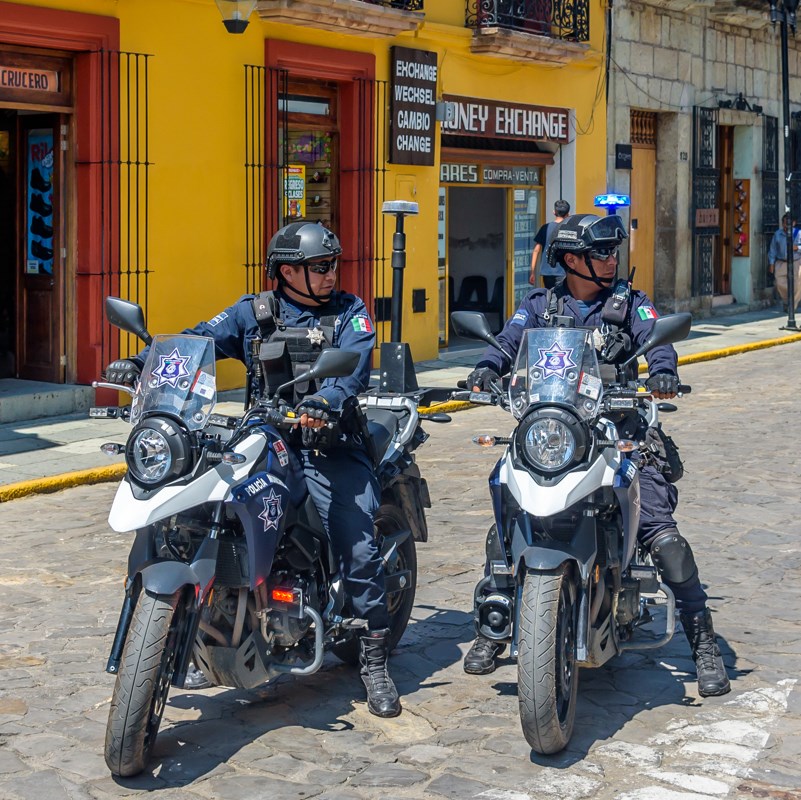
[{"x": 695, "y": 135}]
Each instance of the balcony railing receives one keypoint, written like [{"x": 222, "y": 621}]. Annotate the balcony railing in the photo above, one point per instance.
[
  {"x": 406, "y": 5},
  {"x": 568, "y": 20}
]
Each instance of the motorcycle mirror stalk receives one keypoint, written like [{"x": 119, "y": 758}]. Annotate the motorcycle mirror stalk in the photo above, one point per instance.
[
  {"x": 474, "y": 325},
  {"x": 666, "y": 330},
  {"x": 331, "y": 363}
]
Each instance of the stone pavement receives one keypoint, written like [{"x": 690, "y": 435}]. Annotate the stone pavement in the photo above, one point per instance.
[
  {"x": 65, "y": 450},
  {"x": 642, "y": 733}
]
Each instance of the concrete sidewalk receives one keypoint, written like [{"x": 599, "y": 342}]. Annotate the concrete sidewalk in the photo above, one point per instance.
[{"x": 57, "y": 452}]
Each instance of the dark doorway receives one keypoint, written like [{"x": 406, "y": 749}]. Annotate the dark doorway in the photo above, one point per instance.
[{"x": 8, "y": 242}]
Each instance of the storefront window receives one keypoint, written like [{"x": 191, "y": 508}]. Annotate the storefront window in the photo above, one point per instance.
[
  {"x": 308, "y": 155},
  {"x": 526, "y": 225}
]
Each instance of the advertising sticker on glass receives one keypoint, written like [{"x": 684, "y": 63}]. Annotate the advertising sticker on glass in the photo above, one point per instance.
[
  {"x": 39, "y": 216},
  {"x": 295, "y": 191}
]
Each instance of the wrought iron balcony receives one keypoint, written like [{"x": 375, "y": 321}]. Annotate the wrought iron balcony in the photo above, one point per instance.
[
  {"x": 559, "y": 19},
  {"x": 552, "y": 31},
  {"x": 374, "y": 18}
]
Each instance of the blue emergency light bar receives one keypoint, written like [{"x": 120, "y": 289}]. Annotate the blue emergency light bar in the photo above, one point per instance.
[{"x": 612, "y": 200}]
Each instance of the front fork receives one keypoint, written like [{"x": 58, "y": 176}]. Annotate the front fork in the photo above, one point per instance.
[{"x": 204, "y": 566}]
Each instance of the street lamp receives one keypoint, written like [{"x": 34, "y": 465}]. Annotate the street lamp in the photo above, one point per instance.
[
  {"x": 783, "y": 12},
  {"x": 235, "y": 14}
]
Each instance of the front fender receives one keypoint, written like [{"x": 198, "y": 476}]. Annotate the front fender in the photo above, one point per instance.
[
  {"x": 167, "y": 577},
  {"x": 581, "y": 550}
]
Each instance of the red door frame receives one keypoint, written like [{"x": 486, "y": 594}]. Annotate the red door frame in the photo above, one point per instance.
[
  {"x": 350, "y": 71},
  {"x": 84, "y": 35}
]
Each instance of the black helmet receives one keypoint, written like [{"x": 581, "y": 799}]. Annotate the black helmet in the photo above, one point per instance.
[
  {"x": 299, "y": 242},
  {"x": 581, "y": 233}
]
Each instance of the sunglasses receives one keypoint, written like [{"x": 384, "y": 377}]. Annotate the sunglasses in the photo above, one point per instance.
[
  {"x": 323, "y": 267},
  {"x": 604, "y": 253}
]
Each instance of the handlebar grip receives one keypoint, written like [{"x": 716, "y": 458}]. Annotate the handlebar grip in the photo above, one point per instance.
[
  {"x": 461, "y": 384},
  {"x": 685, "y": 388}
]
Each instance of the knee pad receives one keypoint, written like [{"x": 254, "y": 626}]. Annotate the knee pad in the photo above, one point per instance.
[{"x": 673, "y": 557}]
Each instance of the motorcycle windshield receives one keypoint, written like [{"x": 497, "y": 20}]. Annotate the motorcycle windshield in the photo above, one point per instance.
[
  {"x": 178, "y": 379},
  {"x": 556, "y": 365}
]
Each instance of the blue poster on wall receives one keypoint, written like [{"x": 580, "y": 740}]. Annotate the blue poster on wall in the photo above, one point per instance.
[{"x": 39, "y": 256}]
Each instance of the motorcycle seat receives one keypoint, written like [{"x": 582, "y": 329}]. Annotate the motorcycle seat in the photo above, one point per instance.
[{"x": 382, "y": 425}]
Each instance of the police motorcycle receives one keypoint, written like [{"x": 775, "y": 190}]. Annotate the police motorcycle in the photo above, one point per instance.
[
  {"x": 230, "y": 566},
  {"x": 567, "y": 584}
]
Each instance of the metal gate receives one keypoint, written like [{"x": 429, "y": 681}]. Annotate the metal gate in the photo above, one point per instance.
[
  {"x": 770, "y": 193},
  {"x": 121, "y": 174},
  {"x": 266, "y": 162},
  {"x": 705, "y": 208}
]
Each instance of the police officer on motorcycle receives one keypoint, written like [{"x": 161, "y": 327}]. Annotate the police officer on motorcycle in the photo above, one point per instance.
[
  {"x": 303, "y": 316},
  {"x": 586, "y": 246}
]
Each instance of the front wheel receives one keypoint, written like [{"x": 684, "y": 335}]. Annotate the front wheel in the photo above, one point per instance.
[
  {"x": 547, "y": 675},
  {"x": 389, "y": 520},
  {"x": 143, "y": 682}
]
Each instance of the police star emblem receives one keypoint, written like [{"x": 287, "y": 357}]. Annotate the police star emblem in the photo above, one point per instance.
[
  {"x": 315, "y": 336},
  {"x": 171, "y": 368},
  {"x": 272, "y": 510},
  {"x": 555, "y": 361}
]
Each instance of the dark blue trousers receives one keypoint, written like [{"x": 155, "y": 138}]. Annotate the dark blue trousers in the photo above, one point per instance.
[
  {"x": 345, "y": 490},
  {"x": 658, "y": 501}
]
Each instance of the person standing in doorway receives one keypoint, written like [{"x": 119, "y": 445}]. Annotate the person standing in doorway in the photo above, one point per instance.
[
  {"x": 550, "y": 275},
  {"x": 777, "y": 262}
]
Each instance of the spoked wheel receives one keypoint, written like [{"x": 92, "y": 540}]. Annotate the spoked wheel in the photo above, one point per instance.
[
  {"x": 389, "y": 520},
  {"x": 143, "y": 682},
  {"x": 547, "y": 675}
]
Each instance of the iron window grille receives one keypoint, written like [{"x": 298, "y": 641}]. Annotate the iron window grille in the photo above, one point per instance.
[{"x": 558, "y": 19}]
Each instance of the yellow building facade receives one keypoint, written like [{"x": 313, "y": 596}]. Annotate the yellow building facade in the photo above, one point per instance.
[{"x": 146, "y": 151}]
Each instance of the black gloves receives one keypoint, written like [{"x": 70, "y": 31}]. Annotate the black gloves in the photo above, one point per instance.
[
  {"x": 663, "y": 384},
  {"x": 123, "y": 372},
  {"x": 482, "y": 377},
  {"x": 315, "y": 407}
]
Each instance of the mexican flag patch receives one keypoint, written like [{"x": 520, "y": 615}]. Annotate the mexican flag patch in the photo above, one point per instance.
[
  {"x": 362, "y": 324},
  {"x": 647, "y": 312}
]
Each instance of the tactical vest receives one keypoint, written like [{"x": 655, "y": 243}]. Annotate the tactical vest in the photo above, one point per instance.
[
  {"x": 286, "y": 352},
  {"x": 617, "y": 342}
]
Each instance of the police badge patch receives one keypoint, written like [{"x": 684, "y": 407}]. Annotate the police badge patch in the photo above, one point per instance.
[
  {"x": 272, "y": 510},
  {"x": 315, "y": 336},
  {"x": 171, "y": 368},
  {"x": 555, "y": 361}
]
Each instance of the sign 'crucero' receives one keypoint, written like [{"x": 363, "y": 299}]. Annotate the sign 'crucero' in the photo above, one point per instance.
[
  {"x": 41, "y": 80},
  {"x": 495, "y": 119},
  {"x": 413, "y": 103}
]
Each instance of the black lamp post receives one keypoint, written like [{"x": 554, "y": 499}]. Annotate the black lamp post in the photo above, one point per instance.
[
  {"x": 783, "y": 12},
  {"x": 235, "y": 14}
]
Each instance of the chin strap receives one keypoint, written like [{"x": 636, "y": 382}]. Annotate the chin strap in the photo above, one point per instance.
[{"x": 604, "y": 283}]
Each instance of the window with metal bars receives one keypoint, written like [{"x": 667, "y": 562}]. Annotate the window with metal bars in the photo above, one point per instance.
[{"x": 120, "y": 173}]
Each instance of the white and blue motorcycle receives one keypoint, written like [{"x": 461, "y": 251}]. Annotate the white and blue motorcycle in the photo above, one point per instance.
[
  {"x": 567, "y": 585},
  {"x": 230, "y": 565}
]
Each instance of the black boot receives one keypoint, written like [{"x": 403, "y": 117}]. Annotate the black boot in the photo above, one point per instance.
[
  {"x": 480, "y": 658},
  {"x": 382, "y": 696},
  {"x": 195, "y": 679},
  {"x": 712, "y": 678}
]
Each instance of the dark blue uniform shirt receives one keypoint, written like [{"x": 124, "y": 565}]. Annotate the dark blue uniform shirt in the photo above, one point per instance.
[
  {"x": 531, "y": 314},
  {"x": 234, "y": 328}
]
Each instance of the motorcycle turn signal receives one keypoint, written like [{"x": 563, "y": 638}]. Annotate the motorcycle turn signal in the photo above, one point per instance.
[{"x": 487, "y": 440}]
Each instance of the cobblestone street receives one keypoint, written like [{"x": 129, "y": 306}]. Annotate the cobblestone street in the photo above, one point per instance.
[{"x": 642, "y": 732}]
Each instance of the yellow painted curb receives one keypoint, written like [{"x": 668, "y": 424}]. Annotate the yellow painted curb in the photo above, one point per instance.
[
  {"x": 448, "y": 405},
  {"x": 55, "y": 483},
  {"x": 740, "y": 348}
]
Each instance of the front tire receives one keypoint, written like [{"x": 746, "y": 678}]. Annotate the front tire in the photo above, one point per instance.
[
  {"x": 143, "y": 682},
  {"x": 547, "y": 674},
  {"x": 389, "y": 520}
]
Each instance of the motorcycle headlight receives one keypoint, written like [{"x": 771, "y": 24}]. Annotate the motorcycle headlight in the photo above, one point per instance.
[
  {"x": 157, "y": 451},
  {"x": 551, "y": 439}
]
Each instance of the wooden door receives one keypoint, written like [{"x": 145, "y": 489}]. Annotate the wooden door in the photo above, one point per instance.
[
  {"x": 643, "y": 216},
  {"x": 40, "y": 338}
]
